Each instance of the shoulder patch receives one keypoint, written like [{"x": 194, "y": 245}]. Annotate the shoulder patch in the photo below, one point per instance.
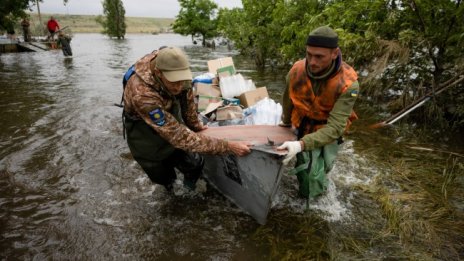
[
  {"x": 157, "y": 116},
  {"x": 354, "y": 93}
]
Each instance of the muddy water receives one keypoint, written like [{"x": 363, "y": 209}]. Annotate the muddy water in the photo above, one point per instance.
[{"x": 70, "y": 190}]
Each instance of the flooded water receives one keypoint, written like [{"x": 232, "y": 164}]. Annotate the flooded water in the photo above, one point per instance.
[{"x": 69, "y": 188}]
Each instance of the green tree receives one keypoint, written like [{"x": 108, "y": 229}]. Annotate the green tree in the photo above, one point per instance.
[
  {"x": 252, "y": 29},
  {"x": 406, "y": 47},
  {"x": 229, "y": 24},
  {"x": 270, "y": 31},
  {"x": 411, "y": 47},
  {"x": 12, "y": 10},
  {"x": 113, "y": 19},
  {"x": 197, "y": 18},
  {"x": 296, "y": 18}
]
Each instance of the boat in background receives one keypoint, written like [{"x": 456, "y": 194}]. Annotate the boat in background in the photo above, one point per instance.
[{"x": 250, "y": 181}]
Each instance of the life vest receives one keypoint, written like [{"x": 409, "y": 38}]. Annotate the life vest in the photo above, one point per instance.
[{"x": 311, "y": 109}]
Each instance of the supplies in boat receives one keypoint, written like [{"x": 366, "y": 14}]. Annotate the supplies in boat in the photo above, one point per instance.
[{"x": 225, "y": 97}]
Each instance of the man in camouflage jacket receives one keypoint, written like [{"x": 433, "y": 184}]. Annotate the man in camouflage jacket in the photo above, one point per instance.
[{"x": 161, "y": 121}]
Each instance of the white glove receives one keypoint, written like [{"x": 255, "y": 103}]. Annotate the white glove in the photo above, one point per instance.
[{"x": 293, "y": 148}]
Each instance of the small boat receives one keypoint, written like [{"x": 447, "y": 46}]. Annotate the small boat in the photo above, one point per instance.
[{"x": 250, "y": 181}]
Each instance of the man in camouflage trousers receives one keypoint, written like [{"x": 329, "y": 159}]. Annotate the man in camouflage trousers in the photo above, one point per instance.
[{"x": 161, "y": 121}]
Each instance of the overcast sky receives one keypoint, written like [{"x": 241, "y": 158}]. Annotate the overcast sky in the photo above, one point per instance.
[{"x": 142, "y": 8}]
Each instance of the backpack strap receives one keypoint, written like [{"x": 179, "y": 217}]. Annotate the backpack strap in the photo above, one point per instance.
[
  {"x": 128, "y": 74},
  {"x": 125, "y": 79}
]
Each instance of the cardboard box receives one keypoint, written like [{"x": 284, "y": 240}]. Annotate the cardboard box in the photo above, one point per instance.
[
  {"x": 214, "y": 65},
  {"x": 212, "y": 107},
  {"x": 226, "y": 71},
  {"x": 207, "y": 89},
  {"x": 204, "y": 101},
  {"x": 229, "y": 113},
  {"x": 231, "y": 101},
  {"x": 250, "y": 98}
]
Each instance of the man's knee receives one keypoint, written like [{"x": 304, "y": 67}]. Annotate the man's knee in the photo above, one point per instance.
[
  {"x": 158, "y": 172},
  {"x": 190, "y": 162}
]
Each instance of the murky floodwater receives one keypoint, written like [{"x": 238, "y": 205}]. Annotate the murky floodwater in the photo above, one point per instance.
[{"x": 70, "y": 190}]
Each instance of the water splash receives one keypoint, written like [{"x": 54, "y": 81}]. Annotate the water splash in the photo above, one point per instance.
[{"x": 349, "y": 170}]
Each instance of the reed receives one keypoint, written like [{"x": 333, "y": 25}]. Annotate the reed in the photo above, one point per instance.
[{"x": 410, "y": 210}]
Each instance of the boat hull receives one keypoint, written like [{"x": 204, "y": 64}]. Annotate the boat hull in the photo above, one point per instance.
[{"x": 250, "y": 181}]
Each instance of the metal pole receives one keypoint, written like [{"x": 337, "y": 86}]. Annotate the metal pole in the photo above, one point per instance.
[
  {"x": 40, "y": 17},
  {"x": 408, "y": 111},
  {"x": 418, "y": 103}
]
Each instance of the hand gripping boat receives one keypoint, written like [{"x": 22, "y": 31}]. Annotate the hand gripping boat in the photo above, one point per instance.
[{"x": 250, "y": 181}]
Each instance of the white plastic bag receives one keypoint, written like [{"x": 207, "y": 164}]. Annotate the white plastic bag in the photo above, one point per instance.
[
  {"x": 264, "y": 112},
  {"x": 234, "y": 85}
]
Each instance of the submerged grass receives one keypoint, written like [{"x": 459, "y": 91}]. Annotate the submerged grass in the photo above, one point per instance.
[
  {"x": 411, "y": 210},
  {"x": 418, "y": 196},
  {"x": 301, "y": 239}
]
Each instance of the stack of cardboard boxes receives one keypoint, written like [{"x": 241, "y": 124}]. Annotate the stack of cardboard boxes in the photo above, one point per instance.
[{"x": 210, "y": 98}]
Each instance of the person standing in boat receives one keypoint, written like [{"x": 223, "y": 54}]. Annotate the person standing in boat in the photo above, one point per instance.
[
  {"x": 52, "y": 26},
  {"x": 160, "y": 119},
  {"x": 318, "y": 101},
  {"x": 25, "y": 24},
  {"x": 64, "y": 41}
]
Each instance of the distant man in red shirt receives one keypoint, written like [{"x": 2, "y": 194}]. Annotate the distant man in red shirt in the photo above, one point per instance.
[{"x": 52, "y": 26}]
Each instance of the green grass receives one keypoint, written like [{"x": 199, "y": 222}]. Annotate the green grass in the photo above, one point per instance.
[
  {"x": 88, "y": 24},
  {"x": 412, "y": 210}
]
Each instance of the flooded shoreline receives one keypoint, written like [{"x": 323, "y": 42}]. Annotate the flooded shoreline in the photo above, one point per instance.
[{"x": 70, "y": 190}]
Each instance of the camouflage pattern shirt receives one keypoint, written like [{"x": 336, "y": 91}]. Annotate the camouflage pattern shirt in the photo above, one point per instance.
[{"x": 145, "y": 98}]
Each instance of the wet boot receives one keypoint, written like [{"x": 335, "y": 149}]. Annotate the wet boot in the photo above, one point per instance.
[
  {"x": 190, "y": 179},
  {"x": 169, "y": 187},
  {"x": 191, "y": 165},
  {"x": 190, "y": 184}
]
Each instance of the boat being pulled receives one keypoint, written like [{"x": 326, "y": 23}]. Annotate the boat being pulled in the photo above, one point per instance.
[{"x": 250, "y": 181}]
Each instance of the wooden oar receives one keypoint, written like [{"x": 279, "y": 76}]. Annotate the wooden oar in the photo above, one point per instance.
[{"x": 416, "y": 104}]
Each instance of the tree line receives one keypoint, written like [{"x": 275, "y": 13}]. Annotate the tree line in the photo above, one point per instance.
[
  {"x": 112, "y": 20},
  {"x": 403, "y": 49}
]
